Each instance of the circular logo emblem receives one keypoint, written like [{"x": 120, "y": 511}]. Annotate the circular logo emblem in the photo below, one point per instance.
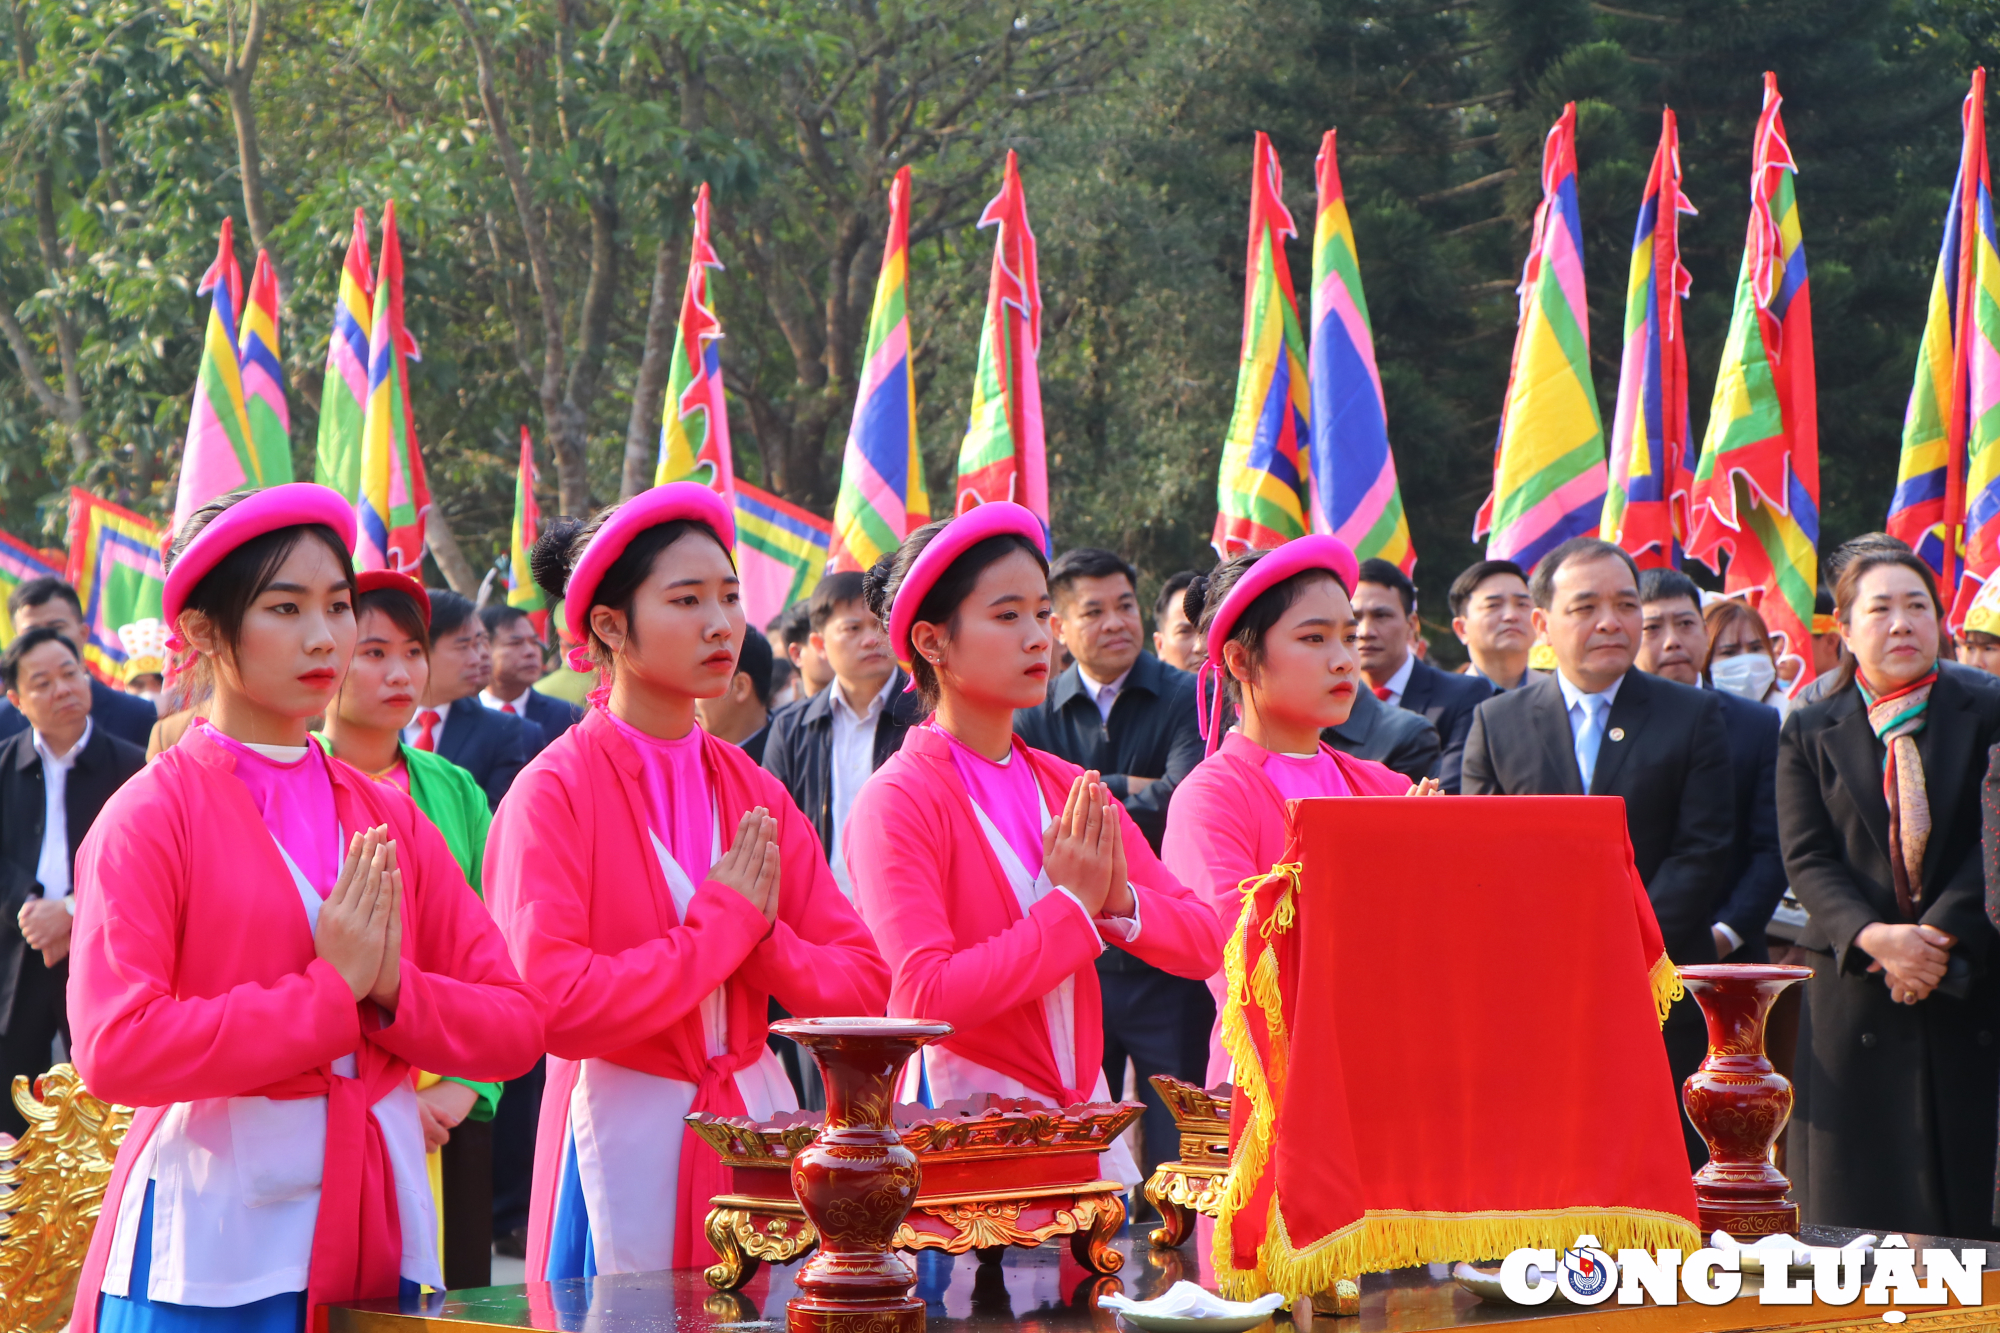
[{"x": 1586, "y": 1275}]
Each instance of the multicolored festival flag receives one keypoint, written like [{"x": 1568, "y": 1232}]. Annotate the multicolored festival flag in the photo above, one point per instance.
[
  {"x": 1354, "y": 492},
  {"x": 114, "y": 565},
  {"x": 219, "y": 456},
  {"x": 694, "y": 425},
  {"x": 1947, "y": 501},
  {"x": 1652, "y": 457},
  {"x": 264, "y": 378},
  {"x": 1548, "y": 464},
  {"x": 1003, "y": 456},
  {"x": 19, "y": 562},
  {"x": 392, "y": 498},
  {"x": 1259, "y": 493},
  {"x": 1759, "y": 465},
  {"x": 522, "y": 590},
  {"x": 882, "y": 496},
  {"x": 781, "y": 551},
  {"x": 343, "y": 403}
]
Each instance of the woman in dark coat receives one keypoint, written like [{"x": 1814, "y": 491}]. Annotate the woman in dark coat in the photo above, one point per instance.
[{"x": 1879, "y": 787}]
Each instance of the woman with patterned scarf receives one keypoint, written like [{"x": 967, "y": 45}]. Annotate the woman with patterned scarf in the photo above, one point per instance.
[{"x": 1879, "y": 783}]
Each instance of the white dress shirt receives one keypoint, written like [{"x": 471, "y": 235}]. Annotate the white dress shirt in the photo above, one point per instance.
[
  {"x": 515, "y": 707},
  {"x": 52, "y": 869},
  {"x": 853, "y": 764},
  {"x": 1104, "y": 694},
  {"x": 1400, "y": 681},
  {"x": 416, "y": 727}
]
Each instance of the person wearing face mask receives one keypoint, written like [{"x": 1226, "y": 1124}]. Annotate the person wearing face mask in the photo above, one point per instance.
[
  {"x": 1879, "y": 812},
  {"x": 1742, "y": 659},
  {"x": 1673, "y": 644}
]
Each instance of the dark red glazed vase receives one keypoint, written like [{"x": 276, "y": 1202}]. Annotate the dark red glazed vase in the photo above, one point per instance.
[
  {"x": 856, "y": 1180},
  {"x": 1738, "y": 1102}
]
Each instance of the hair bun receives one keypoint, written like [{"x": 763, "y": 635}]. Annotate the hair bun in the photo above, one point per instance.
[
  {"x": 875, "y": 586},
  {"x": 1195, "y": 599},
  {"x": 550, "y": 560}
]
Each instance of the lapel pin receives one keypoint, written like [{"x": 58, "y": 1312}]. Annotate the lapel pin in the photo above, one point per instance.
[{"x": 1618, "y": 733}]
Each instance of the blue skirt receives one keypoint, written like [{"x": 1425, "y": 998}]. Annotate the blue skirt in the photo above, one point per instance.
[
  {"x": 570, "y": 1252},
  {"x": 137, "y": 1313}
]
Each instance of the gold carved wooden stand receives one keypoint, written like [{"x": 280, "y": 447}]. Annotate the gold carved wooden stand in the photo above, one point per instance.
[
  {"x": 54, "y": 1177},
  {"x": 1192, "y": 1186},
  {"x": 996, "y": 1173}
]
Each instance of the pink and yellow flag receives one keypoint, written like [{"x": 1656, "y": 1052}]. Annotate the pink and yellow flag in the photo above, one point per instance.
[
  {"x": 1260, "y": 491},
  {"x": 19, "y": 562},
  {"x": 1548, "y": 464},
  {"x": 882, "y": 496},
  {"x": 1354, "y": 491},
  {"x": 343, "y": 403},
  {"x": 522, "y": 590},
  {"x": 1652, "y": 457},
  {"x": 393, "y": 498},
  {"x": 219, "y": 456},
  {"x": 114, "y": 565},
  {"x": 1003, "y": 456},
  {"x": 694, "y": 426},
  {"x": 264, "y": 378},
  {"x": 1756, "y": 486}
]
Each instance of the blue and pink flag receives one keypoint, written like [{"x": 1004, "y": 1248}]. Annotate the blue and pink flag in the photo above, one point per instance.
[
  {"x": 694, "y": 424},
  {"x": 522, "y": 590},
  {"x": 219, "y": 456},
  {"x": 1354, "y": 491},
  {"x": 1004, "y": 453},
  {"x": 1548, "y": 464},
  {"x": 1652, "y": 454},
  {"x": 19, "y": 562},
  {"x": 393, "y": 500},
  {"x": 882, "y": 496},
  {"x": 343, "y": 403},
  {"x": 264, "y": 378},
  {"x": 114, "y": 565},
  {"x": 1260, "y": 490},
  {"x": 781, "y": 552}
]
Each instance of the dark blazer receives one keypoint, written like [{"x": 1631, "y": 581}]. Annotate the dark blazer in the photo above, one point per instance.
[
  {"x": 552, "y": 716},
  {"x": 1395, "y": 737},
  {"x": 126, "y": 716},
  {"x": 1447, "y": 700},
  {"x": 754, "y": 745},
  {"x": 1671, "y": 768},
  {"x": 798, "y": 747},
  {"x": 101, "y": 769},
  {"x": 1154, "y": 731},
  {"x": 1755, "y": 878},
  {"x": 488, "y": 744}
]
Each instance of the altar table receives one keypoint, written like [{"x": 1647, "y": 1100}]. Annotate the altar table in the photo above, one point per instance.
[{"x": 1044, "y": 1290}]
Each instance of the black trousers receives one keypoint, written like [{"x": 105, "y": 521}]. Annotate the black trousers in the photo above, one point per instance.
[
  {"x": 513, "y": 1151},
  {"x": 1160, "y": 1022},
  {"x": 1686, "y": 1036},
  {"x": 39, "y": 1013},
  {"x": 466, "y": 1171}
]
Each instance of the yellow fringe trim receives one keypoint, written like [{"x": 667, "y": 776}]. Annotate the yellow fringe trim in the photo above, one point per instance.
[{"x": 1667, "y": 988}]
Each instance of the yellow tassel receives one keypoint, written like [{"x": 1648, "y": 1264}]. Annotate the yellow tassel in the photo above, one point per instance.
[
  {"x": 1667, "y": 987},
  {"x": 1254, "y": 1102}
]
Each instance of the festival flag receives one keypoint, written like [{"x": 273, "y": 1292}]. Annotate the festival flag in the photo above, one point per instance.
[
  {"x": 1259, "y": 497},
  {"x": 882, "y": 496},
  {"x": 694, "y": 426},
  {"x": 522, "y": 590},
  {"x": 1003, "y": 455},
  {"x": 1947, "y": 500},
  {"x": 19, "y": 562},
  {"x": 343, "y": 402},
  {"x": 781, "y": 551},
  {"x": 1354, "y": 491},
  {"x": 264, "y": 378},
  {"x": 219, "y": 456},
  {"x": 1759, "y": 465},
  {"x": 1652, "y": 461},
  {"x": 1548, "y": 463},
  {"x": 392, "y": 498},
  {"x": 114, "y": 565}
]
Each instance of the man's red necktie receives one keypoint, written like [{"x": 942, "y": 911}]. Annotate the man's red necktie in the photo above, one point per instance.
[
  {"x": 508, "y": 709},
  {"x": 1383, "y": 692},
  {"x": 427, "y": 738}
]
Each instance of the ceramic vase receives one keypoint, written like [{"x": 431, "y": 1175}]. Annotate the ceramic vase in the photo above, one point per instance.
[
  {"x": 1738, "y": 1102},
  {"x": 856, "y": 1180}
]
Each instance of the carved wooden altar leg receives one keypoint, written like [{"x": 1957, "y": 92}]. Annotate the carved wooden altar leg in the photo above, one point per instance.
[
  {"x": 736, "y": 1265},
  {"x": 1091, "y": 1243},
  {"x": 1176, "y": 1222}
]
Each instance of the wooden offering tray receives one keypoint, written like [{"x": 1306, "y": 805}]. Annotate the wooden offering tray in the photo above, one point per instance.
[
  {"x": 995, "y": 1172},
  {"x": 1192, "y": 1185}
]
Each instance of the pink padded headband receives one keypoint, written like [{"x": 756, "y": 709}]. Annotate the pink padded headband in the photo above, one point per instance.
[
  {"x": 288, "y": 506},
  {"x": 1267, "y": 572},
  {"x": 375, "y": 580},
  {"x": 648, "y": 509},
  {"x": 998, "y": 518}
]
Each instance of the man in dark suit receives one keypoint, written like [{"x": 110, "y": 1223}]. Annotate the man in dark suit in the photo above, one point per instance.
[
  {"x": 50, "y": 602},
  {"x": 742, "y": 714},
  {"x": 55, "y": 775},
  {"x": 451, "y": 721},
  {"x": 1133, "y": 718},
  {"x": 1599, "y": 726},
  {"x": 1394, "y": 737},
  {"x": 517, "y": 665},
  {"x": 1674, "y": 644},
  {"x": 1385, "y": 605}
]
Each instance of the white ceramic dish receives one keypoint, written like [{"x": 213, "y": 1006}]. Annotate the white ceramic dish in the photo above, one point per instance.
[{"x": 1187, "y": 1308}]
